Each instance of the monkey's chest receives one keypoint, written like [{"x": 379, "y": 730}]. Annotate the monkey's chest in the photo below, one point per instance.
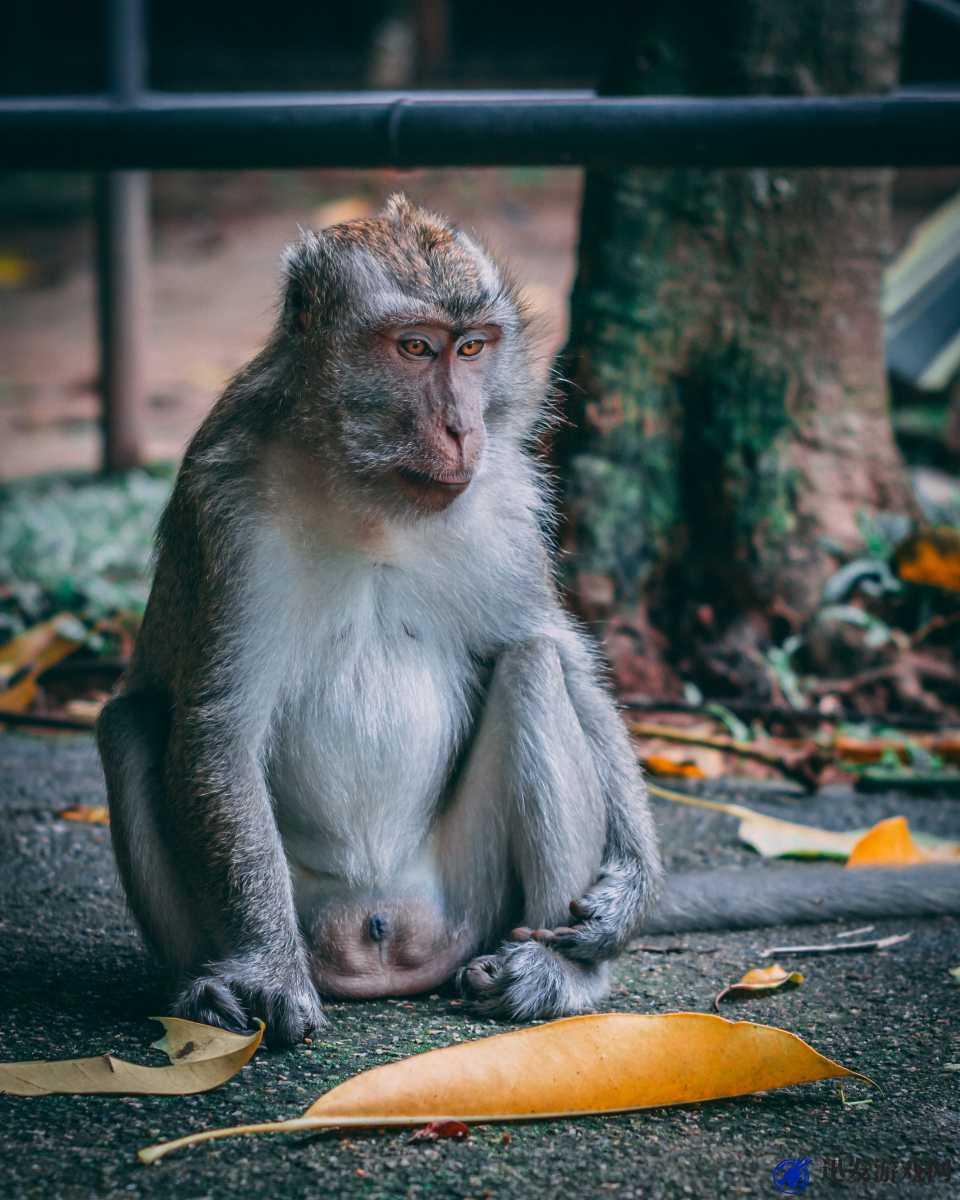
[{"x": 361, "y": 748}]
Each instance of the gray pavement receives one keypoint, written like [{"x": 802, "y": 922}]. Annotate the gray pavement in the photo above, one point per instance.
[{"x": 74, "y": 980}]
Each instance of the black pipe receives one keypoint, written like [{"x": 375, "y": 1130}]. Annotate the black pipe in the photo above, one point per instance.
[{"x": 271, "y": 130}]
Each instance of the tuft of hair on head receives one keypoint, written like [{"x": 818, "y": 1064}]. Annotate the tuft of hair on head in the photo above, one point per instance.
[{"x": 299, "y": 264}]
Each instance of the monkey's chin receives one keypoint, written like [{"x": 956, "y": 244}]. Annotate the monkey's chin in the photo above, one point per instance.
[{"x": 431, "y": 493}]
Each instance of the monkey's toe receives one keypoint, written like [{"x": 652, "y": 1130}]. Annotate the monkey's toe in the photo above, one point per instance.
[
  {"x": 478, "y": 976},
  {"x": 526, "y": 981},
  {"x": 210, "y": 1001},
  {"x": 235, "y": 999}
]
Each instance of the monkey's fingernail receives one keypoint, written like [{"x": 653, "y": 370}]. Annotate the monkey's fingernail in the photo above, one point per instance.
[
  {"x": 578, "y": 910},
  {"x": 521, "y": 934}
]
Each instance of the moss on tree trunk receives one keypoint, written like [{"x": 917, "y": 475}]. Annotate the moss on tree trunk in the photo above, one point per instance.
[{"x": 726, "y": 350}]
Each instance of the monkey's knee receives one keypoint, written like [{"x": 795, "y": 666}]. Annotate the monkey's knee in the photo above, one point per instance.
[
  {"x": 132, "y": 730},
  {"x": 132, "y": 735},
  {"x": 532, "y": 671}
]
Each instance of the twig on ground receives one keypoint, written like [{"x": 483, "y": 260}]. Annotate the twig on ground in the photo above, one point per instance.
[{"x": 839, "y": 947}]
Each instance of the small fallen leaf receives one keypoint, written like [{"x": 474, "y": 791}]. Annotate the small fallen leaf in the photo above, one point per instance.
[
  {"x": 659, "y": 764},
  {"x": 887, "y": 844},
  {"x": 201, "y": 1056},
  {"x": 839, "y": 947},
  {"x": 760, "y": 979},
  {"x": 24, "y": 658},
  {"x": 90, "y": 814},
  {"x": 931, "y": 556},
  {"x": 954, "y": 973},
  {"x": 605, "y": 1063},
  {"x": 775, "y": 838},
  {"x": 441, "y": 1129}
]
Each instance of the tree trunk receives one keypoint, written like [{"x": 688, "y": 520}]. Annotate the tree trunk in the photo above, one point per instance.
[{"x": 729, "y": 405}]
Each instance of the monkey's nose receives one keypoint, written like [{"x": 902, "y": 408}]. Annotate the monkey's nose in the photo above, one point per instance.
[
  {"x": 457, "y": 434},
  {"x": 378, "y": 927},
  {"x": 463, "y": 442}
]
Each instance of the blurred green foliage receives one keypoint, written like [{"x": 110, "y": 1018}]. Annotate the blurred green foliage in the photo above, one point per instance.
[{"x": 81, "y": 545}]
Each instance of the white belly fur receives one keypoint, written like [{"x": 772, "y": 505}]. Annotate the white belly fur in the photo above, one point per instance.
[
  {"x": 367, "y": 717},
  {"x": 363, "y": 741}
]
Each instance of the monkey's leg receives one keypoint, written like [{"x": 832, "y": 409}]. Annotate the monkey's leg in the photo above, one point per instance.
[
  {"x": 239, "y": 882},
  {"x": 532, "y": 804},
  {"x": 231, "y": 932},
  {"x": 132, "y": 736}
]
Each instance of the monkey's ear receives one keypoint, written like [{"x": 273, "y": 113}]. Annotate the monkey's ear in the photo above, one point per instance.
[{"x": 301, "y": 268}]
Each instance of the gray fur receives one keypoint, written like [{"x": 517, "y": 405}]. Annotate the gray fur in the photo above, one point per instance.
[{"x": 342, "y": 706}]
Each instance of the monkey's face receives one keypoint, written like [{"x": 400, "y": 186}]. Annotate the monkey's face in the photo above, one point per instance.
[
  {"x": 434, "y": 378},
  {"x": 413, "y": 344}
]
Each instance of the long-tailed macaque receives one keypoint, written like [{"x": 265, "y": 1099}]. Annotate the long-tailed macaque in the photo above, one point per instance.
[{"x": 360, "y": 739}]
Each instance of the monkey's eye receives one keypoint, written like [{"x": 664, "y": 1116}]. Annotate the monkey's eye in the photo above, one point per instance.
[
  {"x": 416, "y": 347},
  {"x": 471, "y": 348}
]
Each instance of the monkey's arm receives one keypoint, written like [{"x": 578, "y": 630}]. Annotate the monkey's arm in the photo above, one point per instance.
[
  {"x": 204, "y": 811},
  {"x": 793, "y": 894}
]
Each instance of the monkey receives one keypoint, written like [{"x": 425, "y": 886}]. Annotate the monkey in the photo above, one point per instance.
[{"x": 362, "y": 749}]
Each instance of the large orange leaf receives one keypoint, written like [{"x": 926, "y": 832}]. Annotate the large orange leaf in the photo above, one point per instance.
[{"x": 608, "y": 1063}]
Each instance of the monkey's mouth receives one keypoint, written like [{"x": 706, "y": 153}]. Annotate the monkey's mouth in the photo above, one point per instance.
[{"x": 446, "y": 483}]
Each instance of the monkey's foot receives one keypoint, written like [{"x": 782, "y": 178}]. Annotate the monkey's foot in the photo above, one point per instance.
[
  {"x": 237, "y": 991},
  {"x": 526, "y": 981},
  {"x": 603, "y": 920}
]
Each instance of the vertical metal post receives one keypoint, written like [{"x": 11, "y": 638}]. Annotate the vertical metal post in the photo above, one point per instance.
[{"x": 123, "y": 255}]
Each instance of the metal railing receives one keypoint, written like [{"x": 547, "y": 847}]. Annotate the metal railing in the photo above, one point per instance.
[{"x": 133, "y": 129}]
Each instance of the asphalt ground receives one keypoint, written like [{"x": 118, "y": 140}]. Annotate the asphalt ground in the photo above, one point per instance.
[{"x": 74, "y": 981}]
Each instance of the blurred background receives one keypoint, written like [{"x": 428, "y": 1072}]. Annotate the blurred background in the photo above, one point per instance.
[{"x": 760, "y": 368}]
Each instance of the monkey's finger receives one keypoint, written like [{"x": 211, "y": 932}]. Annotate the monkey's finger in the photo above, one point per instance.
[{"x": 521, "y": 934}]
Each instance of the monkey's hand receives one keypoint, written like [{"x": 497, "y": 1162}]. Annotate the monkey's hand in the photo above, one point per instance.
[
  {"x": 544, "y": 973},
  {"x": 604, "y": 919},
  {"x": 234, "y": 992}
]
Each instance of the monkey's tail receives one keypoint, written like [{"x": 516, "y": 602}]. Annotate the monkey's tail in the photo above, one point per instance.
[{"x": 753, "y": 897}]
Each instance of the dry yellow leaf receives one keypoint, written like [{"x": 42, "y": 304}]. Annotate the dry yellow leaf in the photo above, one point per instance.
[
  {"x": 760, "y": 979},
  {"x": 775, "y": 838},
  {"x": 888, "y": 844},
  {"x": 28, "y": 655},
  {"x": 607, "y": 1063},
  {"x": 201, "y": 1057},
  {"x": 89, "y": 814}
]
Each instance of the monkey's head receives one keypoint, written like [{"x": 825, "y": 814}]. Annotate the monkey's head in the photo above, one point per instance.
[{"x": 412, "y": 354}]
